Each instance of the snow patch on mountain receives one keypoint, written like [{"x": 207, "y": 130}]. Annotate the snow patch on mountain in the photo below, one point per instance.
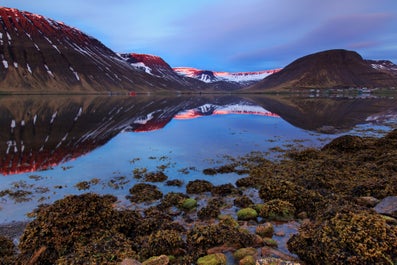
[{"x": 212, "y": 76}]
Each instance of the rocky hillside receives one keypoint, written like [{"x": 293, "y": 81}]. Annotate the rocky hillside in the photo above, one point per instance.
[
  {"x": 38, "y": 54},
  {"x": 328, "y": 69}
]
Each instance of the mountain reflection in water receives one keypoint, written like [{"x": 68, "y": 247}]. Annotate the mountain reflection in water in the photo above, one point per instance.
[{"x": 40, "y": 132}]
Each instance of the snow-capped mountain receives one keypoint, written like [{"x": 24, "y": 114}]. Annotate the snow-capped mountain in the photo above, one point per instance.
[
  {"x": 212, "y": 76},
  {"x": 38, "y": 54},
  {"x": 384, "y": 66}
]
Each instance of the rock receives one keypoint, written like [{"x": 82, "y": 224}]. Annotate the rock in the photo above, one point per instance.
[
  {"x": 130, "y": 262},
  {"x": 247, "y": 260},
  {"x": 270, "y": 242},
  {"x": 275, "y": 261},
  {"x": 367, "y": 201},
  {"x": 387, "y": 206},
  {"x": 189, "y": 204},
  {"x": 158, "y": 260},
  {"x": 280, "y": 233},
  {"x": 278, "y": 210},
  {"x": 247, "y": 214},
  {"x": 143, "y": 192},
  {"x": 243, "y": 252},
  {"x": 213, "y": 259},
  {"x": 265, "y": 230},
  {"x": 243, "y": 202},
  {"x": 228, "y": 220},
  {"x": 274, "y": 253},
  {"x": 221, "y": 249},
  {"x": 198, "y": 186}
]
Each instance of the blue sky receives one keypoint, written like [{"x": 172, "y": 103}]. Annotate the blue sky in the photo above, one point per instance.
[{"x": 230, "y": 35}]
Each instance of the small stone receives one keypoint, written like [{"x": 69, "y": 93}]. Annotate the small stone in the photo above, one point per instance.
[
  {"x": 367, "y": 201},
  {"x": 158, "y": 260},
  {"x": 130, "y": 262},
  {"x": 247, "y": 260},
  {"x": 280, "y": 233},
  {"x": 189, "y": 204},
  {"x": 387, "y": 206},
  {"x": 243, "y": 252},
  {"x": 213, "y": 259},
  {"x": 270, "y": 242}
]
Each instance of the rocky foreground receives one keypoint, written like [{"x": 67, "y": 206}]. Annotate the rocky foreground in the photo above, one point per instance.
[{"x": 343, "y": 197}]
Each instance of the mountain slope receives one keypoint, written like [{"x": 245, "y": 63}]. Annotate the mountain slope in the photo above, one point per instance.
[
  {"x": 243, "y": 78},
  {"x": 40, "y": 54},
  {"x": 327, "y": 69}
]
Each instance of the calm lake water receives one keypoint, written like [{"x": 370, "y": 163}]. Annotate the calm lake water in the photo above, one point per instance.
[{"x": 49, "y": 144}]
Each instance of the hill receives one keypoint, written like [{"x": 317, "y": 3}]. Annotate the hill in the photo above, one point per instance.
[{"x": 327, "y": 69}]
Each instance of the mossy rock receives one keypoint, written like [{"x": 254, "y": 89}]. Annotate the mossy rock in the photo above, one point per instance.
[
  {"x": 243, "y": 202},
  {"x": 277, "y": 210},
  {"x": 212, "y": 210},
  {"x": 247, "y": 214},
  {"x": 346, "y": 143},
  {"x": 198, "y": 186},
  {"x": 224, "y": 190},
  {"x": 164, "y": 242},
  {"x": 247, "y": 260},
  {"x": 172, "y": 199},
  {"x": 302, "y": 198},
  {"x": 346, "y": 238},
  {"x": 243, "y": 252},
  {"x": 189, "y": 204},
  {"x": 157, "y": 260},
  {"x": 270, "y": 242},
  {"x": 174, "y": 182},
  {"x": 213, "y": 259},
  {"x": 265, "y": 230},
  {"x": 75, "y": 225},
  {"x": 228, "y": 220},
  {"x": 7, "y": 248},
  {"x": 202, "y": 238},
  {"x": 143, "y": 192},
  {"x": 155, "y": 177}
]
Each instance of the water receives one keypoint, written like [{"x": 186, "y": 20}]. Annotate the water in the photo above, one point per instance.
[{"x": 50, "y": 144}]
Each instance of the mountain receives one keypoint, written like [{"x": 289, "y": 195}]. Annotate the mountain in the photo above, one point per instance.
[
  {"x": 327, "y": 69},
  {"x": 243, "y": 78},
  {"x": 157, "y": 67},
  {"x": 38, "y": 54},
  {"x": 384, "y": 66}
]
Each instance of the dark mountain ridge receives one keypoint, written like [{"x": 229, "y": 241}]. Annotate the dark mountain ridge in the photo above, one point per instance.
[
  {"x": 38, "y": 54},
  {"x": 328, "y": 69}
]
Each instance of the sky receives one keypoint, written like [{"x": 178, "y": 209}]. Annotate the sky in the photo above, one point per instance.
[{"x": 230, "y": 35}]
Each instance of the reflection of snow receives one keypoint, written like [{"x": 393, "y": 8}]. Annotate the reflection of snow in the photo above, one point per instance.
[{"x": 145, "y": 119}]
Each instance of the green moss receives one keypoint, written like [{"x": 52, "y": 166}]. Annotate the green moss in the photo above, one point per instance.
[
  {"x": 243, "y": 252},
  {"x": 189, "y": 203},
  {"x": 213, "y": 259},
  {"x": 247, "y": 214},
  {"x": 270, "y": 242},
  {"x": 157, "y": 260}
]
